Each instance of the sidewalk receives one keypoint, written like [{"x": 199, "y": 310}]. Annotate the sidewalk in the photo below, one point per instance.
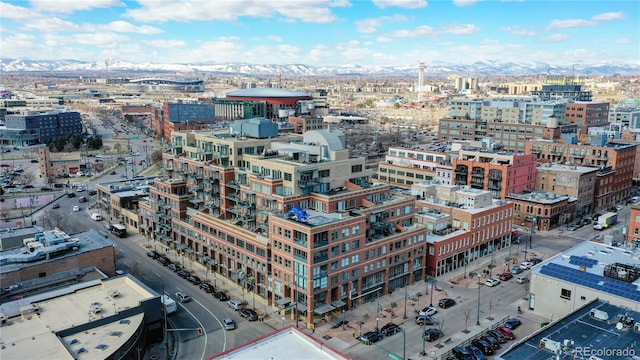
[{"x": 363, "y": 318}]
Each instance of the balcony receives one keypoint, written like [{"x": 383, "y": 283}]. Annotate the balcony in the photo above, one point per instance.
[
  {"x": 462, "y": 171},
  {"x": 233, "y": 197},
  {"x": 494, "y": 186},
  {"x": 478, "y": 175},
  {"x": 495, "y": 176},
  {"x": 233, "y": 185},
  {"x": 308, "y": 182},
  {"x": 536, "y": 150},
  {"x": 319, "y": 259},
  {"x": 300, "y": 241}
]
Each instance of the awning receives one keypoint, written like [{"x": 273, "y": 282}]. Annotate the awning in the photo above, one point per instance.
[
  {"x": 302, "y": 308},
  {"x": 338, "y": 303},
  {"x": 323, "y": 309},
  {"x": 283, "y": 302}
]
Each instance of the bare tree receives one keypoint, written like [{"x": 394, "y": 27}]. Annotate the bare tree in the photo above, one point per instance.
[
  {"x": 52, "y": 219},
  {"x": 156, "y": 156},
  {"x": 466, "y": 315},
  {"x": 28, "y": 178},
  {"x": 117, "y": 147}
]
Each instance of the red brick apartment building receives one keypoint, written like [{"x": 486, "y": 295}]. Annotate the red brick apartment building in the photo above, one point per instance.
[
  {"x": 542, "y": 210},
  {"x": 463, "y": 225},
  {"x": 295, "y": 222},
  {"x": 501, "y": 173},
  {"x": 615, "y": 162},
  {"x": 586, "y": 114}
]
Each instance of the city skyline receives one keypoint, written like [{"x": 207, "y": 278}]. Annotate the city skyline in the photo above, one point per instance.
[{"x": 322, "y": 32}]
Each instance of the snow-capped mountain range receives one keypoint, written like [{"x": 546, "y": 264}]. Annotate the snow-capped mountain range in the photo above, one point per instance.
[{"x": 480, "y": 68}]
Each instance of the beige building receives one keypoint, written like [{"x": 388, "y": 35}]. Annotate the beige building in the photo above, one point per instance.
[
  {"x": 405, "y": 166},
  {"x": 575, "y": 181}
]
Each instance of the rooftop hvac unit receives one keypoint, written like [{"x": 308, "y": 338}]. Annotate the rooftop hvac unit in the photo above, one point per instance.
[
  {"x": 599, "y": 314},
  {"x": 550, "y": 345}
]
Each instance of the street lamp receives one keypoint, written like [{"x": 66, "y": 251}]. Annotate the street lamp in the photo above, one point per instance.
[
  {"x": 422, "y": 326},
  {"x": 533, "y": 222},
  {"x": 377, "y": 328},
  {"x": 433, "y": 281},
  {"x": 343, "y": 319},
  {"x": 406, "y": 285}
]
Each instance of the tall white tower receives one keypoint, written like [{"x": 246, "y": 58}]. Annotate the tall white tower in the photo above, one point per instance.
[{"x": 420, "y": 80}]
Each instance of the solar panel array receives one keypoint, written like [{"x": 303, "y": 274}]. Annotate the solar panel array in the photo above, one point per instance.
[
  {"x": 598, "y": 282},
  {"x": 582, "y": 261}
]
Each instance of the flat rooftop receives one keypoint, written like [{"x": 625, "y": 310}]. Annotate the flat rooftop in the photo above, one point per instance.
[
  {"x": 590, "y": 336},
  {"x": 562, "y": 167},
  {"x": 42, "y": 326},
  {"x": 540, "y": 197},
  {"x": 90, "y": 240},
  {"x": 286, "y": 343},
  {"x": 584, "y": 264}
]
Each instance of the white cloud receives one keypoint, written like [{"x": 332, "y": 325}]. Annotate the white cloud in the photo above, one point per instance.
[
  {"x": 9, "y": 11},
  {"x": 126, "y": 27},
  {"x": 312, "y": 11},
  {"x": 102, "y": 39},
  {"x": 461, "y": 3},
  {"x": 274, "y": 38},
  {"x": 423, "y": 30},
  {"x": 463, "y": 29},
  {"x": 624, "y": 41},
  {"x": 407, "y": 4},
  {"x": 556, "y": 38},
  {"x": 384, "y": 39},
  {"x": 517, "y": 30},
  {"x": 70, "y": 6},
  {"x": 570, "y": 23},
  {"x": 369, "y": 26},
  {"x": 166, "y": 44},
  {"x": 608, "y": 16}
]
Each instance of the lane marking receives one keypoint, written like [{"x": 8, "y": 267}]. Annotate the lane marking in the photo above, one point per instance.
[
  {"x": 206, "y": 336},
  {"x": 224, "y": 331}
]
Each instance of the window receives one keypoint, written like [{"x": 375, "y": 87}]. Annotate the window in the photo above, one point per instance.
[
  {"x": 565, "y": 294},
  {"x": 356, "y": 168},
  {"x": 287, "y": 176}
]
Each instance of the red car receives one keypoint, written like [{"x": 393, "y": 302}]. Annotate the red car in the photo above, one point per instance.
[
  {"x": 506, "y": 276},
  {"x": 506, "y": 332}
]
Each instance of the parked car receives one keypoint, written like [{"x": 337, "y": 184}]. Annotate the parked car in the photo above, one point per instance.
[
  {"x": 194, "y": 279},
  {"x": 44, "y": 188},
  {"x": 432, "y": 334},
  {"x": 619, "y": 207},
  {"x": 234, "y": 304},
  {"x": 572, "y": 227},
  {"x": 491, "y": 282},
  {"x": 71, "y": 195},
  {"x": 484, "y": 346},
  {"x": 182, "y": 297},
  {"x": 446, "y": 303},
  {"x": 516, "y": 270},
  {"x": 229, "y": 324},
  {"x": 498, "y": 335},
  {"x": 477, "y": 353},
  {"x": 92, "y": 192},
  {"x": 174, "y": 267},
  {"x": 164, "y": 260},
  {"x": 249, "y": 314},
  {"x": 426, "y": 320},
  {"x": 55, "y": 206},
  {"x": 429, "y": 311},
  {"x": 505, "y": 276},
  {"x": 390, "y": 329},
  {"x": 184, "y": 273},
  {"x": 506, "y": 332},
  {"x": 153, "y": 254},
  {"x": 82, "y": 199},
  {"x": 371, "y": 337},
  {"x": 526, "y": 265},
  {"x": 495, "y": 344},
  {"x": 522, "y": 279},
  {"x": 206, "y": 287},
  {"x": 535, "y": 261},
  {"x": 512, "y": 323},
  {"x": 461, "y": 353},
  {"x": 220, "y": 295},
  {"x": 76, "y": 208}
]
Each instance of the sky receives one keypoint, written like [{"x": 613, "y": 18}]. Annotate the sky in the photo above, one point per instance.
[{"x": 323, "y": 32}]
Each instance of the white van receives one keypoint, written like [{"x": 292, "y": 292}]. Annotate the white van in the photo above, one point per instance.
[{"x": 96, "y": 216}]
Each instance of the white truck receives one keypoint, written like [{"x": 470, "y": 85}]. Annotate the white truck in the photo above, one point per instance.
[
  {"x": 169, "y": 306},
  {"x": 605, "y": 221}
]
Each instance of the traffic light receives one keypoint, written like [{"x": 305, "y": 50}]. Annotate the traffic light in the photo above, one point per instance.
[{"x": 200, "y": 331}]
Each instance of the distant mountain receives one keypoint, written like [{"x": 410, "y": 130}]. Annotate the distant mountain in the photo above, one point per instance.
[{"x": 480, "y": 68}]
